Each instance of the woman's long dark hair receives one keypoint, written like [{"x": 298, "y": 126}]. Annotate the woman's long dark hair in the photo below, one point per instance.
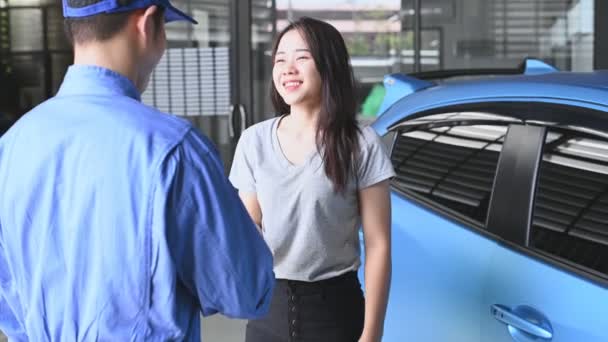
[{"x": 337, "y": 129}]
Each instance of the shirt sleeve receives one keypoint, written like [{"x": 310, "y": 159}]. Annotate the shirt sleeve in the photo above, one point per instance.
[
  {"x": 374, "y": 163},
  {"x": 241, "y": 172},
  {"x": 219, "y": 255}
]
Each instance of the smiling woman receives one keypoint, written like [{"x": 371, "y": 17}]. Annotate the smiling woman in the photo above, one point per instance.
[{"x": 310, "y": 178}]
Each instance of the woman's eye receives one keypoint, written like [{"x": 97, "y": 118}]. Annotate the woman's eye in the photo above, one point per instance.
[
  {"x": 279, "y": 61},
  {"x": 302, "y": 58}
]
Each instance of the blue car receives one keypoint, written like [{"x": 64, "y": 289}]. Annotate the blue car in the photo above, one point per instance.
[{"x": 500, "y": 206}]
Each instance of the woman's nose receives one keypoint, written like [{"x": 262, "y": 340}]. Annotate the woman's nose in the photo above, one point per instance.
[{"x": 289, "y": 68}]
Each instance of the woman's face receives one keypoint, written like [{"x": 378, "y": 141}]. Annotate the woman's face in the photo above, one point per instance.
[{"x": 294, "y": 73}]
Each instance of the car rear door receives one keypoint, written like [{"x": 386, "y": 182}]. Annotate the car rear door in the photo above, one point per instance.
[
  {"x": 547, "y": 281},
  {"x": 445, "y": 165}
]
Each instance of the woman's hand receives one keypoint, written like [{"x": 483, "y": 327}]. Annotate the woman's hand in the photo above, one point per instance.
[{"x": 250, "y": 200}]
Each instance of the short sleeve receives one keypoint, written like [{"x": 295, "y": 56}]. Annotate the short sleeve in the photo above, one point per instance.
[
  {"x": 374, "y": 164},
  {"x": 241, "y": 172}
]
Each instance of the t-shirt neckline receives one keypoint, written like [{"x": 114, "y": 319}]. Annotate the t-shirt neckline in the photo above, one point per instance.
[{"x": 278, "y": 150}]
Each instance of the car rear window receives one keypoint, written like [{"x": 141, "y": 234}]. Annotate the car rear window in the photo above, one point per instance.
[
  {"x": 449, "y": 165},
  {"x": 570, "y": 218}
]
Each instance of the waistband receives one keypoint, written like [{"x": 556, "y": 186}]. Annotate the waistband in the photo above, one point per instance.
[{"x": 346, "y": 279}]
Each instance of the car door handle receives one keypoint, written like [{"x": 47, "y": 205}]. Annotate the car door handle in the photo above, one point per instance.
[{"x": 525, "y": 319}]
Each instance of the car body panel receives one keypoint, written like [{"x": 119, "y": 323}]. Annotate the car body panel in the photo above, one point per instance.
[
  {"x": 549, "y": 88},
  {"x": 576, "y": 308},
  {"x": 446, "y": 274},
  {"x": 432, "y": 300},
  {"x": 399, "y": 85}
]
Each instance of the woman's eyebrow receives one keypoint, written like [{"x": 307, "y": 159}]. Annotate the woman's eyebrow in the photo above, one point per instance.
[{"x": 297, "y": 50}]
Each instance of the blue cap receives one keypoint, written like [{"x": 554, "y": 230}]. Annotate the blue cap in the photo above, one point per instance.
[{"x": 85, "y": 8}]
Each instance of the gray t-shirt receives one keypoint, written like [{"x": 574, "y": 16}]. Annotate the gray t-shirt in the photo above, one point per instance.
[{"x": 311, "y": 230}]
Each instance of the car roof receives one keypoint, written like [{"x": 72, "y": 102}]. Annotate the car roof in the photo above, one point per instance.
[{"x": 588, "y": 90}]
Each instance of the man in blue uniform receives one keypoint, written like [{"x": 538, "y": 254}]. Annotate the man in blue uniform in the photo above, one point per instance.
[{"x": 116, "y": 220}]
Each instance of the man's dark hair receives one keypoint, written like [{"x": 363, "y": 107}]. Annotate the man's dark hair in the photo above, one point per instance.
[{"x": 101, "y": 27}]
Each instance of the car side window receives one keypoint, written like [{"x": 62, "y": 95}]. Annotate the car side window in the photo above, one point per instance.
[
  {"x": 570, "y": 217},
  {"x": 449, "y": 166}
]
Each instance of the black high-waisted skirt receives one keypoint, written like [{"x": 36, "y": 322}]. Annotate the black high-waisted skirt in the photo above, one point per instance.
[{"x": 330, "y": 310}]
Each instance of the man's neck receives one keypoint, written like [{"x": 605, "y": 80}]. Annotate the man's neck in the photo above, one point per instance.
[{"x": 111, "y": 55}]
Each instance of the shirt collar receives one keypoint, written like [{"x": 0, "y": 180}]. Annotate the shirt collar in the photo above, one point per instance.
[{"x": 95, "y": 80}]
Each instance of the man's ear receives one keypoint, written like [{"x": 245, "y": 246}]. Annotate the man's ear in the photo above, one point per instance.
[{"x": 145, "y": 23}]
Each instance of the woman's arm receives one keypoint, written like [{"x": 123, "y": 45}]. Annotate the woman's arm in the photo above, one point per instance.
[
  {"x": 250, "y": 200},
  {"x": 375, "y": 209}
]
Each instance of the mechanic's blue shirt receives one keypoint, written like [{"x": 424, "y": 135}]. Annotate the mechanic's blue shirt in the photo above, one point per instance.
[{"x": 118, "y": 224}]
